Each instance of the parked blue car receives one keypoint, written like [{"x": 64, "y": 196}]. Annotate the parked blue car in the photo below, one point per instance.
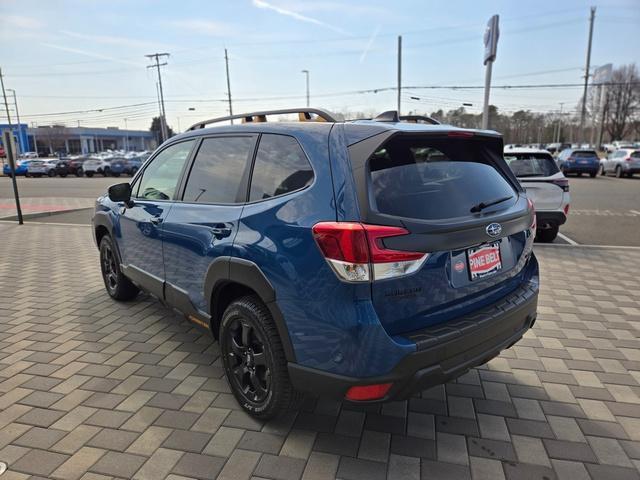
[
  {"x": 579, "y": 161},
  {"x": 363, "y": 260},
  {"x": 22, "y": 168}
]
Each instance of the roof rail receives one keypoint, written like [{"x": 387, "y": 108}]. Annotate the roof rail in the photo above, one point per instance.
[
  {"x": 304, "y": 115},
  {"x": 419, "y": 119}
]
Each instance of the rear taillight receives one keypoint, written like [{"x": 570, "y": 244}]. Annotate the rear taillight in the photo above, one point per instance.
[
  {"x": 532, "y": 210},
  {"x": 628, "y": 159},
  {"x": 563, "y": 183},
  {"x": 356, "y": 253},
  {"x": 566, "y": 209}
]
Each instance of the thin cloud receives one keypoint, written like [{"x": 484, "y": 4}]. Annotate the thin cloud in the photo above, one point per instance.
[
  {"x": 372, "y": 39},
  {"x": 112, "y": 40},
  {"x": 21, "y": 21},
  {"x": 302, "y": 18},
  {"x": 87, "y": 53},
  {"x": 204, "y": 27}
]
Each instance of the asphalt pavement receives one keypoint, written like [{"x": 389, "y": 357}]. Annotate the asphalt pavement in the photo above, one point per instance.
[
  {"x": 72, "y": 186},
  {"x": 603, "y": 211}
]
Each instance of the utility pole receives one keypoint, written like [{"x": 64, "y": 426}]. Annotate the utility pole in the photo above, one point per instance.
[
  {"x": 226, "y": 62},
  {"x": 15, "y": 104},
  {"x": 126, "y": 138},
  {"x": 586, "y": 74},
  {"x": 559, "y": 123},
  {"x": 11, "y": 156},
  {"x": 163, "y": 116},
  {"x": 399, "y": 73},
  {"x": 306, "y": 72}
]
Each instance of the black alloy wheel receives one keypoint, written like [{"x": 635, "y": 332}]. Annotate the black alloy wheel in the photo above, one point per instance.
[
  {"x": 254, "y": 360},
  {"x": 251, "y": 372}
]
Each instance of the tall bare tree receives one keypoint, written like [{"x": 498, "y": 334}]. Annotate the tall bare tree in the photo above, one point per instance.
[{"x": 623, "y": 100}]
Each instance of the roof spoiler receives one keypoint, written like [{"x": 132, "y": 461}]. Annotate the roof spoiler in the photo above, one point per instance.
[
  {"x": 393, "y": 117},
  {"x": 304, "y": 115}
]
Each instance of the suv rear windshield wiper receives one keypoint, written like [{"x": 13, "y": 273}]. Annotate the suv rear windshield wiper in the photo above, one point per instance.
[{"x": 482, "y": 205}]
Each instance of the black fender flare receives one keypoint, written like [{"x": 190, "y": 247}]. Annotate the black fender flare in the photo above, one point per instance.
[
  {"x": 101, "y": 219},
  {"x": 224, "y": 270}
]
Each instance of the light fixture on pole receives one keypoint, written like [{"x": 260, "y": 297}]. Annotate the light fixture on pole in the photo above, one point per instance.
[{"x": 306, "y": 72}]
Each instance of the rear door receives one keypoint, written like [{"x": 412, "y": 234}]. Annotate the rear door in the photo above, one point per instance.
[
  {"x": 202, "y": 225},
  {"x": 460, "y": 204},
  {"x": 537, "y": 173}
]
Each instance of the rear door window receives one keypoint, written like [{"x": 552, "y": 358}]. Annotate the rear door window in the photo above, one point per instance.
[
  {"x": 585, "y": 154},
  {"x": 531, "y": 164},
  {"x": 218, "y": 171},
  {"x": 281, "y": 167},
  {"x": 437, "y": 179}
]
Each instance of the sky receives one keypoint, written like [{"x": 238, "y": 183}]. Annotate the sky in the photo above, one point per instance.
[{"x": 82, "y": 62}]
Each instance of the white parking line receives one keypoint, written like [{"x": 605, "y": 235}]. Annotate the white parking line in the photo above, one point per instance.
[
  {"x": 635, "y": 212},
  {"x": 567, "y": 239}
]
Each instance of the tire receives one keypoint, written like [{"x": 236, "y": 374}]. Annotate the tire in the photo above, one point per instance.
[
  {"x": 63, "y": 175},
  {"x": 79, "y": 172},
  {"x": 118, "y": 286},
  {"x": 247, "y": 332},
  {"x": 593, "y": 174},
  {"x": 602, "y": 170},
  {"x": 51, "y": 173},
  {"x": 116, "y": 174},
  {"x": 579, "y": 174},
  {"x": 133, "y": 171},
  {"x": 9, "y": 175},
  {"x": 629, "y": 175},
  {"x": 547, "y": 235},
  {"x": 105, "y": 172},
  {"x": 618, "y": 172},
  {"x": 89, "y": 174}
]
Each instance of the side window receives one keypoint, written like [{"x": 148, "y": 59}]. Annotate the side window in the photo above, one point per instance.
[
  {"x": 281, "y": 167},
  {"x": 218, "y": 169},
  {"x": 160, "y": 178}
]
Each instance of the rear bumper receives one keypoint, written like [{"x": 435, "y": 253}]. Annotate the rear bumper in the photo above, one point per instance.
[
  {"x": 443, "y": 352},
  {"x": 576, "y": 168},
  {"x": 543, "y": 218}
]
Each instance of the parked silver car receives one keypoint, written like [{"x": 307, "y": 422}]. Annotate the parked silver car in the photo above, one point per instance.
[{"x": 624, "y": 161}]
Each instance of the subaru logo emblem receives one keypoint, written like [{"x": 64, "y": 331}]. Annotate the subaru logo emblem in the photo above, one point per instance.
[{"x": 493, "y": 229}]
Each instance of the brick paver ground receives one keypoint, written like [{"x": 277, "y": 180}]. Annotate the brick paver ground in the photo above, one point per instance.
[{"x": 94, "y": 389}]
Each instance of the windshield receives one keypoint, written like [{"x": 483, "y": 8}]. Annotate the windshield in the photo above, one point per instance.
[
  {"x": 531, "y": 164},
  {"x": 436, "y": 179}
]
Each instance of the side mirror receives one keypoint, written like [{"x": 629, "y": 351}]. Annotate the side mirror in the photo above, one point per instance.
[{"x": 121, "y": 192}]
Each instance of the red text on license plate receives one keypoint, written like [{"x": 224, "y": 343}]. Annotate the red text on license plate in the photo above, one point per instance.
[{"x": 484, "y": 260}]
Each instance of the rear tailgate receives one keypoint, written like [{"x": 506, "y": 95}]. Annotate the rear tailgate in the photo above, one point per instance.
[
  {"x": 434, "y": 185},
  {"x": 540, "y": 176}
]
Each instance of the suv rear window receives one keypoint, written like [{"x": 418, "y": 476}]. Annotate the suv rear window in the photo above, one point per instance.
[
  {"x": 531, "y": 164},
  {"x": 585, "y": 154},
  {"x": 435, "y": 179}
]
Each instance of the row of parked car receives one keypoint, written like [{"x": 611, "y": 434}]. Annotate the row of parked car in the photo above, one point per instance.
[{"x": 105, "y": 164}]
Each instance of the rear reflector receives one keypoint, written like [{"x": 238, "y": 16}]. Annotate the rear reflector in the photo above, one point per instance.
[
  {"x": 368, "y": 392},
  {"x": 356, "y": 252}
]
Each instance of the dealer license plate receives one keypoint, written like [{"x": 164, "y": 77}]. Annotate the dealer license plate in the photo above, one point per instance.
[{"x": 484, "y": 260}]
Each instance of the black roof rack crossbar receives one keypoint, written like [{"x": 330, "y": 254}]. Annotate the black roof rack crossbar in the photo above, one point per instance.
[
  {"x": 303, "y": 113},
  {"x": 419, "y": 119}
]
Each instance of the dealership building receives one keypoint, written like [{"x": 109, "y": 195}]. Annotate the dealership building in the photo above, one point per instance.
[{"x": 49, "y": 140}]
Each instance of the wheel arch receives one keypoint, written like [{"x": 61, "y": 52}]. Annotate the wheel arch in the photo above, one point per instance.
[{"x": 229, "y": 278}]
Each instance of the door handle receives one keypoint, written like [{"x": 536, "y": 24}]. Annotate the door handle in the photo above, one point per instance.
[{"x": 156, "y": 220}]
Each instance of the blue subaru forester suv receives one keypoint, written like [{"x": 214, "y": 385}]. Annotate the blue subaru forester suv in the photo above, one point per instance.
[{"x": 365, "y": 260}]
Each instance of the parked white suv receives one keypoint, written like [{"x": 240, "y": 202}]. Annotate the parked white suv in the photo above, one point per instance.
[
  {"x": 546, "y": 186},
  {"x": 95, "y": 165}
]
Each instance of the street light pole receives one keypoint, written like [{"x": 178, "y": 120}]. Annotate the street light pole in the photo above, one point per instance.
[
  {"x": 306, "y": 72},
  {"x": 15, "y": 103}
]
